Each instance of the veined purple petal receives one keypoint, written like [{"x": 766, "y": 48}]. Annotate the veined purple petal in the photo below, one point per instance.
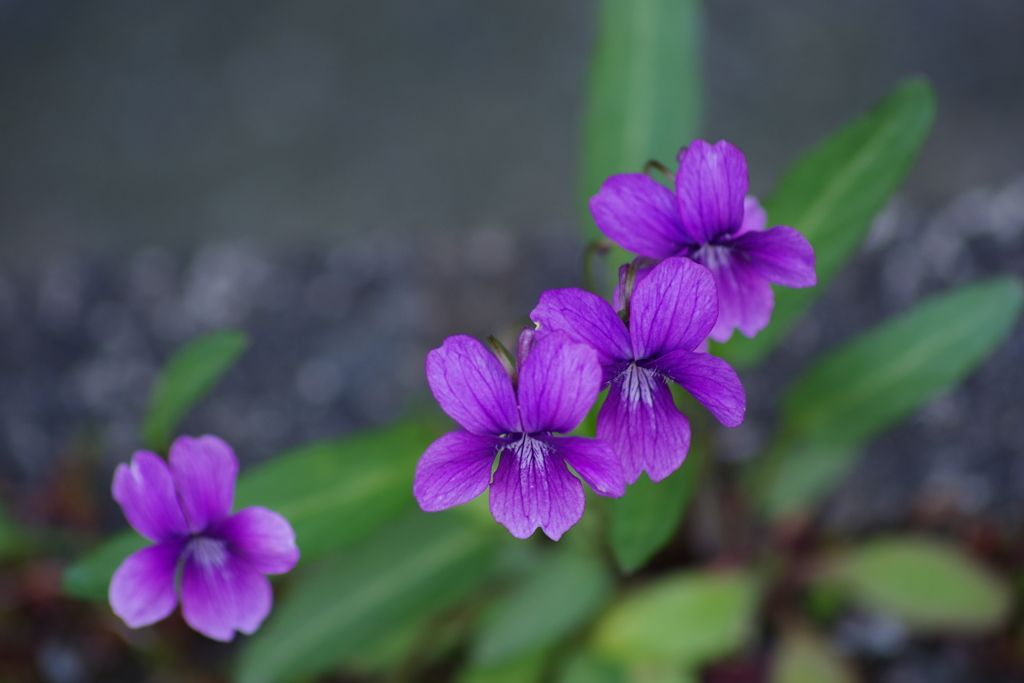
[
  {"x": 594, "y": 460},
  {"x": 145, "y": 490},
  {"x": 587, "y": 318},
  {"x": 142, "y": 589},
  {"x": 204, "y": 470},
  {"x": 710, "y": 380},
  {"x": 472, "y": 387},
  {"x": 618, "y": 295},
  {"x": 745, "y": 298},
  {"x": 781, "y": 255},
  {"x": 755, "y": 218},
  {"x": 639, "y": 215},
  {"x": 643, "y": 425},
  {"x": 532, "y": 488},
  {"x": 454, "y": 470},
  {"x": 222, "y": 592},
  {"x": 675, "y": 307},
  {"x": 262, "y": 536},
  {"x": 527, "y": 340},
  {"x": 558, "y": 384},
  {"x": 710, "y": 186}
]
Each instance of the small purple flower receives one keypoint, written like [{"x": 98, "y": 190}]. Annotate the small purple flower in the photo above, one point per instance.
[
  {"x": 710, "y": 220},
  {"x": 219, "y": 558},
  {"x": 558, "y": 381},
  {"x": 672, "y": 310}
]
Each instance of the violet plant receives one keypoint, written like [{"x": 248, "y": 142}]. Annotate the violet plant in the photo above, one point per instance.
[{"x": 629, "y": 593}]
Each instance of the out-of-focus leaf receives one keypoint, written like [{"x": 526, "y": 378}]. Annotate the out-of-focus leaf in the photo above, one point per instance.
[
  {"x": 926, "y": 584},
  {"x": 334, "y": 493},
  {"x": 687, "y": 619},
  {"x": 661, "y": 673},
  {"x": 527, "y": 668},
  {"x": 876, "y": 380},
  {"x": 14, "y": 540},
  {"x": 557, "y": 599},
  {"x": 89, "y": 577},
  {"x": 189, "y": 374},
  {"x": 802, "y": 657},
  {"x": 585, "y": 668},
  {"x": 833, "y": 192},
  {"x": 643, "y": 95},
  {"x": 336, "y": 608}
]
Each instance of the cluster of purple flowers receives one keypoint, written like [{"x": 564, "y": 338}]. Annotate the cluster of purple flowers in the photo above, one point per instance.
[{"x": 705, "y": 267}]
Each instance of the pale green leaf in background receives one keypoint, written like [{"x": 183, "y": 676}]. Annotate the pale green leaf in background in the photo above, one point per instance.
[
  {"x": 686, "y": 619},
  {"x": 643, "y": 96},
  {"x": 558, "y": 598},
  {"x": 189, "y": 375},
  {"x": 832, "y": 193},
  {"x": 586, "y": 668},
  {"x": 803, "y": 657},
  {"x": 927, "y": 584},
  {"x": 342, "y": 605},
  {"x": 527, "y": 668},
  {"x": 872, "y": 382}
]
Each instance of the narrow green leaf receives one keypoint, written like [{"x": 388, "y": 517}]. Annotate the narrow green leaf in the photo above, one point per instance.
[
  {"x": 643, "y": 95},
  {"x": 89, "y": 577},
  {"x": 556, "y": 600},
  {"x": 687, "y": 619},
  {"x": 338, "y": 607},
  {"x": 871, "y": 383},
  {"x": 334, "y": 493},
  {"x": 527, "y": 668},
  {"x": 803, "y": 657},
  {"x": 585, "y": 668},
  {"x": 929, "y": 585},
  {"x": 189, "y": 375},
  {"x": 832, "y": 193}
]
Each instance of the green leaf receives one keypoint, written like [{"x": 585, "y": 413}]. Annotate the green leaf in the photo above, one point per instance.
[
  {"x": 528, "y": 668},
  {"x": 560, "y": 596},
  {"x": 871, "y": 383},
  {"x": 832, "y": 193},
  {"x": 585, "y": 668},
  {"x": 89, "y": 577},
  {"x": 189, "y": 375},
  {"x": 803, "y": 657},
  {"x": 929, "y": 585},
  {"x": 643, "y": 95},
  {"x": 344, "y": 604},
  {"x": 334, "y": 493},
  {"x": 687, "y": 619}
]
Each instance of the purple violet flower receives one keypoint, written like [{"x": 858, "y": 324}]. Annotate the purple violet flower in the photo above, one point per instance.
[
  {"x": 710, "y": 220},
  {"x": 672, "y": 310},
  {"x": 558, "y": 381},
  {"x": 219, "y": 558}
]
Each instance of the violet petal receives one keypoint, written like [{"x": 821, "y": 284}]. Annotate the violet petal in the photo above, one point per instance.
[
  {"x": 222, "y": 593},
  {"x": 639, "y": 215},
  {"x": 454, "y": 470},
  {"x": 755, "y": 218},
  {"x": 535, "y": 490},
  {"x": 586, "y": 318},
  {"x": 675, "y": 307},
  {"x": 145, "y": 490},
  {"x": 643, "y": 425},
  {"x": 263, "y": 536},
  {"x": 781, "y": 255},
  {"x": 745, "y": 298},
  {"x": 710, "y": 187},
  {"x": 142, "y": 588},
  {"x": 710, "y": 380},
  {"x": 204, "y": 470},
  {"x": 472, "y": 387},
  {"x": 558, "y": 384},
  {"x": 594, "y": 460}
]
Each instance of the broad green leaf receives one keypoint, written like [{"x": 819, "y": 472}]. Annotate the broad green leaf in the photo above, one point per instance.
[
  {"x": 556, "y": 600},
  {"x": 89, "y": 577},
  {"x": 344, "y": 604},
  {"x": 661, "y": 673},
  {"x": 190, "y": 373},
  {"x": 802, "y": 657},
  {"x": 334, "y": 493},
  {"x": 832, "y": 193},
  {"x": 686, "y": 619},
  {"x": 643, "y": 95},
  {"x": 874, "y": 381},
  {"x": 929, "y": 585},
  {"x": 527, "y": 668},
  {"x": 585, "y": 668}
]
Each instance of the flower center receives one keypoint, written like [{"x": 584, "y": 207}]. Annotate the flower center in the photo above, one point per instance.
[
  {"x": 712, "y": 256},
  {"x": 209, "y": 553},
  {"x": 529, "y": 451},
  {"x": 637, "y": 384}
]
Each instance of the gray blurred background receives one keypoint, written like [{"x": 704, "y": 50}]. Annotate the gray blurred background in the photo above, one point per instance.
[{"x": 352, "y": 181}]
